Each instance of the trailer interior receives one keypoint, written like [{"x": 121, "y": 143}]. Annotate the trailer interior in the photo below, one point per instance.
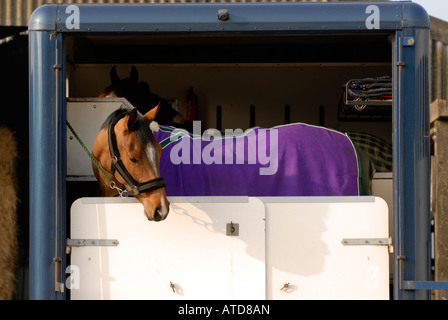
[
  {"x": 243, "y": 80},
  {"x": 286, "y": 77}
]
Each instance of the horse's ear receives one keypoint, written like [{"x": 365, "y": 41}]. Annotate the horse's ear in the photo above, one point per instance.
[
  {"x": 134, "y": 75},
  {"x": 113, "y": 75},
  {"x": 133, "y": 116},
  {"x": 152, "y": 114}
]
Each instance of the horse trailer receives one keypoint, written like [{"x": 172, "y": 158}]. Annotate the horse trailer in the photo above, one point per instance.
[{"x": 263, "y": 65}]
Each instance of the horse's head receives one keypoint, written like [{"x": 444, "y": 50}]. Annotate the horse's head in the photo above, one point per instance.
[
  {"x": 141, "y": 97},
  {"x": 126, "y": 141},
  {"x": 126, "y": 87}
]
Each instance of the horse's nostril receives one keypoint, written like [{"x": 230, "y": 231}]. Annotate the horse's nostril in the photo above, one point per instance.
[{"x": 157, "y": 216}]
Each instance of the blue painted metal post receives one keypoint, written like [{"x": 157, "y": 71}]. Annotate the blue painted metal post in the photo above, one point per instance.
[
  {"x": 47, "y": 165},
  {"x": 411, "y": 163}
]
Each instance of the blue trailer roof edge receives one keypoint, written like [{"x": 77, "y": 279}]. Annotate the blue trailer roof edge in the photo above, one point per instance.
[
  {"x": 414, "y": 15},
  {"x": 178, "y": 17},
  {"x": 43, "y": 18}
]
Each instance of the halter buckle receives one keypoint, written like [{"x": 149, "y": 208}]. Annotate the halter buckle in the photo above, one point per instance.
[{"x": 134, "y": 190}]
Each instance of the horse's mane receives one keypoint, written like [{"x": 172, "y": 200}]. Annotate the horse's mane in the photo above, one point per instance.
[{"x": 142, "y": 131}]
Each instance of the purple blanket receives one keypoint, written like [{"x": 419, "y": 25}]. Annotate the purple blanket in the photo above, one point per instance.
[{"x": 289, "y": 160}]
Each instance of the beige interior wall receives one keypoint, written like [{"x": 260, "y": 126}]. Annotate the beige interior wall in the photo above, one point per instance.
[{"x": 235, "y": 87}]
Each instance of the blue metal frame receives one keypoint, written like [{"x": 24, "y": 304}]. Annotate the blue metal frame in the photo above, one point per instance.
[
  {"x": 47, "y": 164},
  {"x": 411, "y": 162},
  {"x": 409, "y": 22},
  {"x": 199, "y": 17}
]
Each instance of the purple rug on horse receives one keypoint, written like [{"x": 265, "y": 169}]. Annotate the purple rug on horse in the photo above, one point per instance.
[{"x": 288, "y": 160}]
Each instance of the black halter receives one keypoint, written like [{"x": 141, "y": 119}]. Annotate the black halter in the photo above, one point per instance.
[{"x": 118, "y": 165}]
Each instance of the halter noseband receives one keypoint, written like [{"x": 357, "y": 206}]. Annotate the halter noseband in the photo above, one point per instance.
[{"x": 118, "y": 165}]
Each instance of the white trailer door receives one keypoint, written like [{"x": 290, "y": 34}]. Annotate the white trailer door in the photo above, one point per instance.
[
  {"x": 322, "y": 248},
  {"x": 305, "y": 249},
  {"x": 187, "y": 256}
]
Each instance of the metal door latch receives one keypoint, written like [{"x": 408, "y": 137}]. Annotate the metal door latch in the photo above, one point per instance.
[
  {"x": 285, "y": 286},
  {"x": 232, "y": 229},
  {"x": 173, "y": 287}
]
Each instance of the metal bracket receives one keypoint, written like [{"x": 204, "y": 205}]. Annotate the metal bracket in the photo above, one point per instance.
[
  {"x": 223, "y": 14},
  {"x": 408, "y": 41},
  {"x": 90, "y": 243},
  {"x": 367, "y": 242},
  {"x": 232, "y": 229},
  {"x": 58, "y": 286},
  {"x": 405, "y": 42}
]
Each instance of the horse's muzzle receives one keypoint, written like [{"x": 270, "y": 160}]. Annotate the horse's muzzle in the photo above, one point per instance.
[{"x": 157, "y": 215}]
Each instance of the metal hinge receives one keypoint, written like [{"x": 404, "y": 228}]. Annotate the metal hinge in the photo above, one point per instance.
[
  {"x": 405, "y": 42},
  {"x": 369, "y": 242},
  {"x": 90, "y": 243}
]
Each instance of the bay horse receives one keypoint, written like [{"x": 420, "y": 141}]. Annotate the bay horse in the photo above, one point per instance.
[
  {"x": 129, "y": 157},
  {"x": 140, "y": 96}
]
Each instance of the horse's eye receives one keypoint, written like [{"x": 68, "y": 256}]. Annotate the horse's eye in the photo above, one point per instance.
[{"x": 133, "y": 160}]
